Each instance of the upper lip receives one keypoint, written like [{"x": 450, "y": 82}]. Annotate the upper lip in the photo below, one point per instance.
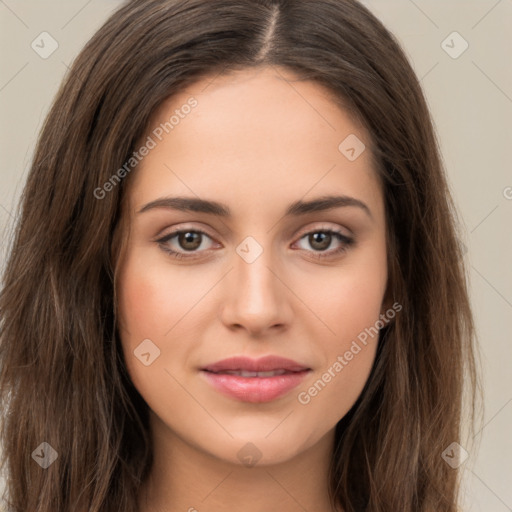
[{"x": 263, "y": 364}]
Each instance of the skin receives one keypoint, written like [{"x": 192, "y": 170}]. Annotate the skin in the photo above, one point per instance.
[{"x": 257, "y": 141}]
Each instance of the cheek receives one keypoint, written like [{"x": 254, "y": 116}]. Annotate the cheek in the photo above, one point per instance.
[
  {"x": 159, "y": 304},
  {"x": 350, "y": 307},
  {"x": 350, "y": 298},
  {"x": 152, "y": 300},
  {"x": 352, "y": 314},
  {"x": 149, "y": 308},
  {"x": 145, "y": 307}
]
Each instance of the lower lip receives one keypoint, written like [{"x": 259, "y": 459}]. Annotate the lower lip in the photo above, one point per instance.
[{"x": 254, "y": 389}]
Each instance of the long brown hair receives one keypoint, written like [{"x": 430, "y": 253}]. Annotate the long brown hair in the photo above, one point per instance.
[{"x": 63, "y": 379}]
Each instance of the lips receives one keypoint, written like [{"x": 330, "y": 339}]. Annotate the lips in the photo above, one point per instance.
[
  {"x": 255, "y": 380},
  {"x": 246, "y": 373},
  {"x": 264, "y": 364}
]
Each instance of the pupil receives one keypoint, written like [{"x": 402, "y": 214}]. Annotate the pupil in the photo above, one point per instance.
[
  {"x": 188, "y": 238},
  {"x": 323, "y": 243}
]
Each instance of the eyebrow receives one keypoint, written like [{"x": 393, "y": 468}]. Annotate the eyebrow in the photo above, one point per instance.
[{"x": 191, "y": 204}]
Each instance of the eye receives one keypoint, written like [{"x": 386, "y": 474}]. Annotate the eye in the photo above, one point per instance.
[
  {"x": 191, "y": 241},
  {"x": 321, "y": 239},
  {"x": 188, "y": 240}
]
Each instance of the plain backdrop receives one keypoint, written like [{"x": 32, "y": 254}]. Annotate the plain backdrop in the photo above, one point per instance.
[{"x": 469, "y": 91}]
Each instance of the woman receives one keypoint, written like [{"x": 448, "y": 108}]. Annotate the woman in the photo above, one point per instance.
[{"x": 253, "y": 369}]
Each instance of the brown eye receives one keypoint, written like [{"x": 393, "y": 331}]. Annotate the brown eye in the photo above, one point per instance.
[
  {"x": 189, "y": 240},
  {"x": 321, "y": 239},
  {"x": 179, "y": 243}
]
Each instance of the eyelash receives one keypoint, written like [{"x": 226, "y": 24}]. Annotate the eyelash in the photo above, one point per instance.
[{"x": 346, "y": 241}]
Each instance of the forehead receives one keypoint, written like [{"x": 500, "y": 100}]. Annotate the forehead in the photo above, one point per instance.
[{"x": 259, "y": 134}]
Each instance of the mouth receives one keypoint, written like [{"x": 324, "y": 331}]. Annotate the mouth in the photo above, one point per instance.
[
  {"x": 255, "y": 381},
  {"x": 247, "y": 373}
]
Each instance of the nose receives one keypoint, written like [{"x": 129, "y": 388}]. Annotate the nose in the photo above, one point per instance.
[{"x": 256, "y": 296}]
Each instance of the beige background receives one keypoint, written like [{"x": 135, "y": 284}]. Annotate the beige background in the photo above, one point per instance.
[{"x": 471, "y": 101}]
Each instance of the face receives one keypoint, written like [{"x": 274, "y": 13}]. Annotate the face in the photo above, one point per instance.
[{"x": 261, "y": 277}]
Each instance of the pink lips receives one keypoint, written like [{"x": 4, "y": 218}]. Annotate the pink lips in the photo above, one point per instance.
[{"x": 230, "y": 377}]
